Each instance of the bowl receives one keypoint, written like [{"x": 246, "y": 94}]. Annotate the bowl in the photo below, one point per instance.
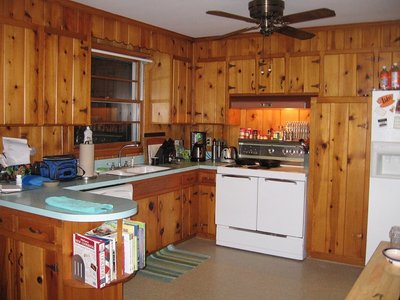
[
  {"x": 51, "y": 183},
  {"x": 392, "y": 255}
]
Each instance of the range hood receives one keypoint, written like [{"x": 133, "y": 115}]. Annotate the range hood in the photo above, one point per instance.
[{"x": 270, "y": 101}]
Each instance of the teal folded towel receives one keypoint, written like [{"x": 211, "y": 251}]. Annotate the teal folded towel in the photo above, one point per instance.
[{"x": 78, "y": 205}]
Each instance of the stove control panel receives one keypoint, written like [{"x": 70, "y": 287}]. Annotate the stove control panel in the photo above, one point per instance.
[{"x": 261, "y": 149}]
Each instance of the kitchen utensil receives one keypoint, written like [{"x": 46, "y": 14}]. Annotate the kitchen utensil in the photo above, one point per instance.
[
  {"x": 392, "y": 255},
  {"x": 229, "y": 154}
]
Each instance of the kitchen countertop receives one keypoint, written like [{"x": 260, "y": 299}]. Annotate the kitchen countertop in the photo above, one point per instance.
[{"x": 33, "y": 201}]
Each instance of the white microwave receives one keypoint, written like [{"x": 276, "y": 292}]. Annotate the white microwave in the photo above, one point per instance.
[{"x": 385, "y": 160}]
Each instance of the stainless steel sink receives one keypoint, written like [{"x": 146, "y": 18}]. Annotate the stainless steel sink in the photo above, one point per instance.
[{"x": 136, "y": 170}]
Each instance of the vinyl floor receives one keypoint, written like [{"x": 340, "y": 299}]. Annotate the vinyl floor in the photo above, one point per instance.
[{"x": 231, "y": 274}]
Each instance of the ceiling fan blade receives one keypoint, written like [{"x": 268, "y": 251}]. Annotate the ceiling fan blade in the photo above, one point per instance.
[
  {"x": 231, "y": 16},
  {"x": 309, "y": 15},
  {"x": 295, "y": 33},
  {"x": 243, "y": 30}
]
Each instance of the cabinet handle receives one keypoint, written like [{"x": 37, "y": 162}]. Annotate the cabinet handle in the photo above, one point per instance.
[
  {"x": 53, "y": 267},
  {"x": 281, "y": 180},
  {"x": 35, "y": 231},
  {"x": 19, "y": 262},
  {"x": 237, "y": 176},
  {"x": 10, "y": 257}
]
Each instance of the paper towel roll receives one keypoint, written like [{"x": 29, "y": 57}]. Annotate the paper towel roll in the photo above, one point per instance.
[{"x": 86, "y": 159}]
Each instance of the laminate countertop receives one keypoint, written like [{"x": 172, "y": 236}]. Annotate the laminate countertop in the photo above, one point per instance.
[
  {"x": 33, "y": 200},
  {"x": 379, "y": 280}
]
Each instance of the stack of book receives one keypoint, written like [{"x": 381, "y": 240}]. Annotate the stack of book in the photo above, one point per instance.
[{"x": 95, "y": 253}]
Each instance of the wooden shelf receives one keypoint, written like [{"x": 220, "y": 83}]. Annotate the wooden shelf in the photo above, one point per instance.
[{"x": 80, "y": 285}]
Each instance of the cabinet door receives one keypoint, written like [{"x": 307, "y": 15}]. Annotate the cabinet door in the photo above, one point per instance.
[
  {"x": 147, "y": 213},
  {"x": 241, "y": 74},
  {"x": 236, "y": 201},
  {"x": 8, "y": 282},
  {"x": 170, "y": 216},
  {"x": 36, "y": 279},
  {"x": 160, "y": 82},
  {"x": 210, "y": 90},
  {"x": 338, "y": 179},
  {"x": 340, "y": 75},
  {"x": 207, "y": 209},
  {"x": 181, "y": 92},
  {"x": 19, "y": 56},
  {"x": 190, "y": 211},
  {"x": 271, "y": 75},
  {"x": 304, "y": 74},
  {"x": 66, "y": 81},
  {"x": 280, "y": 206}
]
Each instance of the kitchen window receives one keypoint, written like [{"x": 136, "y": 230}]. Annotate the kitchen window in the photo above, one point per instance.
[{"x": 117, "y": 85}]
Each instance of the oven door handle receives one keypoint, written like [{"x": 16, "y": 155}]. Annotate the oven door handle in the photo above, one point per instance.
[
  {"x": 281, "y": 180},
  {"x": 236, "y": 176}
]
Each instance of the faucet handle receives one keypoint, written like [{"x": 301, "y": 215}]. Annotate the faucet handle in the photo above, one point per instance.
[{"x": 126, "y": 164}]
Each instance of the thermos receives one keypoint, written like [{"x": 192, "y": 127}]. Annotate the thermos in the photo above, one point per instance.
[{"x": 214, "y": 152}]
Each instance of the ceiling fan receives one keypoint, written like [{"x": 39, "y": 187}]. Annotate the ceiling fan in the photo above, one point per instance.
[{"x": 268, "y": 15}]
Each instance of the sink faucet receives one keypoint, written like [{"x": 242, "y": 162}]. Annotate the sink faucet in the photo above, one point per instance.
[{"x": 120, "y": 152}]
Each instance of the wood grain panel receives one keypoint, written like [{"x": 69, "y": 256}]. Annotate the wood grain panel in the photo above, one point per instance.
[
  {"x": 14, "y": 85},
  {"x": 50, "y": 78},
  {"x": 347, "y": 75},
  {"x": 52, "y": 140},
  {"x": 352, "y": 38},
  {"x": 2, "y": 72},
  {"x": 311, "y": 70},
  {"x": 31, "y": 71},
  {"x": 370, "y": 37},
  {"x": 220, "y": 93},
  {"x": 134, "y": 35},
  {"x": 390, "y": 36},
  {"x": 319, "y": 178},
  {"x": 356, "y": 194},
  {"x": 274, "y": 81},
  {"x": 64, "y": 80},
  {"x": 331, "y": 75},
  {"x": 365, "y": 74},
  {"x": 335, "y": 39},
  {"x": 295, "y": 76}
]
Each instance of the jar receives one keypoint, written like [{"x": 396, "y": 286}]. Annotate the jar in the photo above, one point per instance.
[{"x": 242, "y": 133}]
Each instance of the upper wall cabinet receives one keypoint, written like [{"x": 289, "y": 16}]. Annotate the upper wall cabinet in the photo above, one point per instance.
[
  {"x": 181, "y": 112},
  {"x": 19, "y": 66},
  {"x": 271, "y": 75},
  {"x": 160, "y": 88},
  {"x": 242, "y": 76},
  {"x": 66, "y": 81},
  {"x": 303, "y": 74},
  {"x": 210, "y": 93},
  {"x": 348, "y": 74}
]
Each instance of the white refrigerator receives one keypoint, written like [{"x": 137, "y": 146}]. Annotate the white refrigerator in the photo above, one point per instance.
[{"x": 384, "y": 189}]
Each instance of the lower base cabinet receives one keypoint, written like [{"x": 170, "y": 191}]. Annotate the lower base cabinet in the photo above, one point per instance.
[{"x": 206, "y": 196}]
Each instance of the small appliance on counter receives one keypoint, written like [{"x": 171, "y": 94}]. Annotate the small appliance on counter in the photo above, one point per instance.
[
  {"x": 198, "y": 141},
  {"x": 229, "y": 154},
  {"x": 166, "y": 152}
]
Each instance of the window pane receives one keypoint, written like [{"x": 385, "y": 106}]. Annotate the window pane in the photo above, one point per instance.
[
  {"x": 107, "y": 133},
  {"x": 109, "y": 67},
  {"x": 107, "y": 88},
  {"x": 114, "y": 112}
]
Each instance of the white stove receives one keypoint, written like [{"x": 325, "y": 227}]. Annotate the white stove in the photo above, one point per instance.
[{"x": 260, "y": 206}]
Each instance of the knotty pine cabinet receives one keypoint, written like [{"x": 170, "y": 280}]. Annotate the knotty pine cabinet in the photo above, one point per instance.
[
  {"x": 206, "y": 194},
  {"x": 29, "y": 259},
  {"x": 190, "y": 204},
  {"x": 242, "y": 76},
  {"x": 20, "y": 68},
  {"x": 303, "y": 74},
  {"x": 181, "y": 111},
  {"x": 66, "y": 80},
  {"x": 339, "y": 174},
  {"x": 271, "y": 75},
  {"x": 210, "y": 93}
]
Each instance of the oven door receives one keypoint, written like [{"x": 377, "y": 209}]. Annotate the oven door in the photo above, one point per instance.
[
  {"x": 236, "y": 201},
  {"x": 281, "y": 204}
]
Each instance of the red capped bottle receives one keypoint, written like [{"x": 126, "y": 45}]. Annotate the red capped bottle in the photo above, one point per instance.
[{"x": 384, "y": 79}]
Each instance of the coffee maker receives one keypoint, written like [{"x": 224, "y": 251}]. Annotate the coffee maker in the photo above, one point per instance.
[{"x": 198, "y": 142}]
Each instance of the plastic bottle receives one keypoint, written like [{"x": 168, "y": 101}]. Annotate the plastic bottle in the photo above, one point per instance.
[
  {"x": 395, "y": 78},
  {"x": 384, "y": 79},
  {"x": 18, "y": 179},
  {"x": 87, "y": 136}
]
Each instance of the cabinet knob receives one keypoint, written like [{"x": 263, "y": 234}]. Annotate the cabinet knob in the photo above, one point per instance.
[
  {"x": 36, "y": 231},
  {"x": 39, "y": 279},
  {"x": 151, "y": 205}
]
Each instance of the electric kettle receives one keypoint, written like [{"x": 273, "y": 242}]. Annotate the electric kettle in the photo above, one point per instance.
[{"x": 229, "y": 154}]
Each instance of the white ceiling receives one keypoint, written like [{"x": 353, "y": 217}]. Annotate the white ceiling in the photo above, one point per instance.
[{"x": 189, "y": 17}]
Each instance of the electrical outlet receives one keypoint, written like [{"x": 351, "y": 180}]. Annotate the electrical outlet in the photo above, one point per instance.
[{"x": 208, "y": 141}]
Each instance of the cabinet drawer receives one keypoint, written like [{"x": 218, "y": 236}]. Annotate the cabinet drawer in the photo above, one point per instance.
[
  {"x": 36, "y": 230},
  {"x": 155, "y": 186},
  {"x": 6, "y": 221},
  {"x": 189, "y": 178},
  {"x": 207, "y": 177}
]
